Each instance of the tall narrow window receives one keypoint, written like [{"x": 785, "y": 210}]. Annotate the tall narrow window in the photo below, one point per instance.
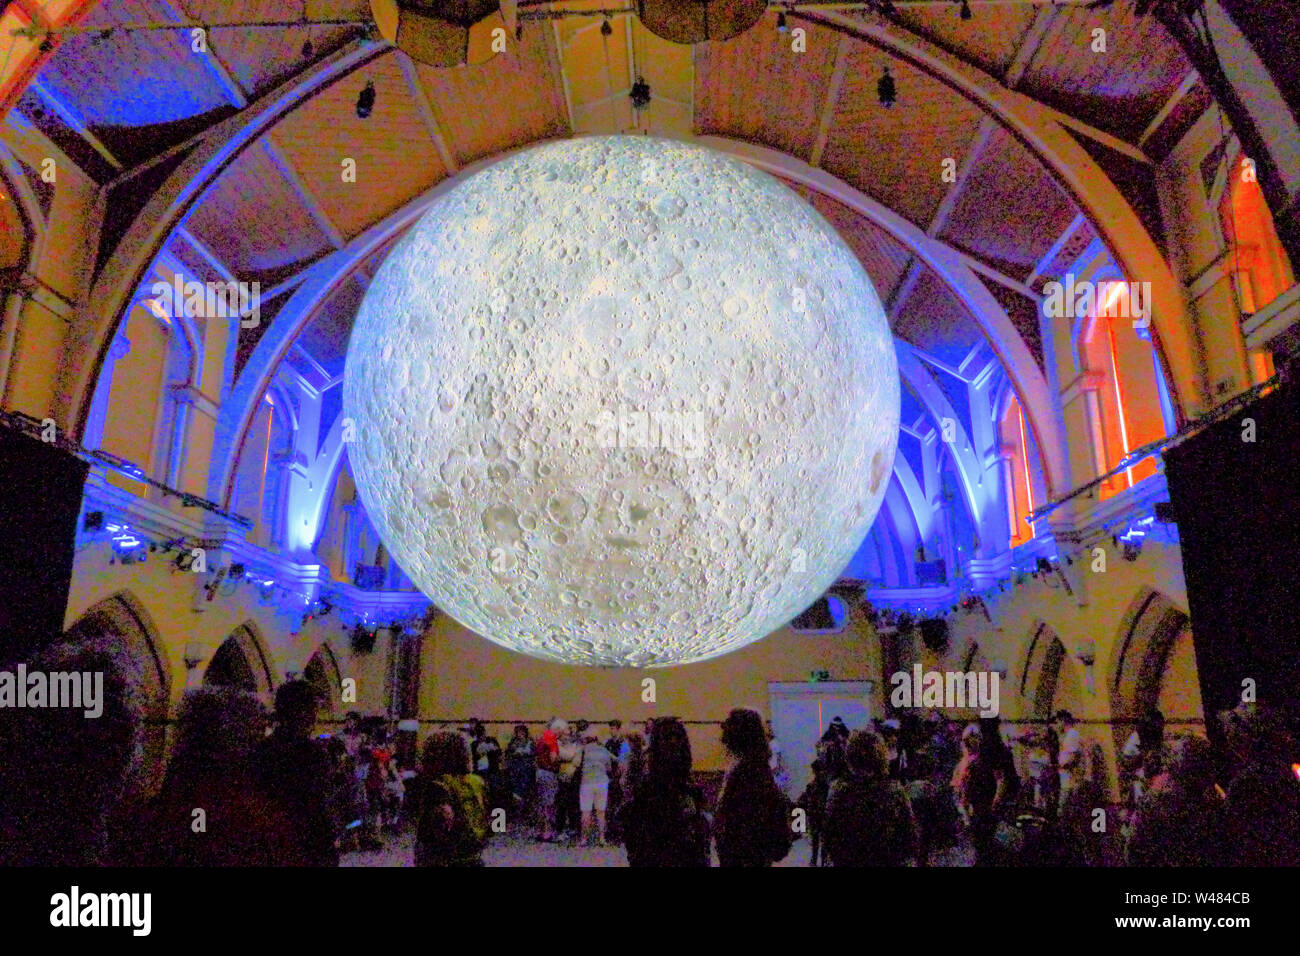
[{"x": 1258, "y": 262}]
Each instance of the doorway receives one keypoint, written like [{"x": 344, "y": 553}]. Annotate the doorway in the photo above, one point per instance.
[{"x": 802, "y": 712}]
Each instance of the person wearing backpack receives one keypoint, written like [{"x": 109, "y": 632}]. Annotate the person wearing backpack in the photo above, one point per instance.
[
  {"x": 663, "y": 819},
  {"x": 451, "y": 819},
  {"x": 753, "y": 823}
]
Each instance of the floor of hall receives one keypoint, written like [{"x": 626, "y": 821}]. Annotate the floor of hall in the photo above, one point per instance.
[{"x": 513, "y": 851}]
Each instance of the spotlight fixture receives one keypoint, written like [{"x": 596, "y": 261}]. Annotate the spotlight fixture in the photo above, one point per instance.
[
  {"x": 640, "y": 94},
  {"x": 886, "y": 90},
  {"x": 965, "y": 10},
  {"x": 307, "y": 50},
  {"x": 780, "y": 22},
  {"x": 366, "y": 100},
  {"x": 606, "y": 29}
]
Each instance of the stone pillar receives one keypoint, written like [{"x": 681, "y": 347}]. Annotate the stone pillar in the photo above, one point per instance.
[
  {"x": 119, "y": 350},
  {"x": 1007, "y": 455}
]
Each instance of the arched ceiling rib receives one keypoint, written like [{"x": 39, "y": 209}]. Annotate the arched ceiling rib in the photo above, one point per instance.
[{"x": 817, "y": 104}]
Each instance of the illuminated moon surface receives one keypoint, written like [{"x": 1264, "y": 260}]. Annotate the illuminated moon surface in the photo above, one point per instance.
[{"x": 622, "y": 401}]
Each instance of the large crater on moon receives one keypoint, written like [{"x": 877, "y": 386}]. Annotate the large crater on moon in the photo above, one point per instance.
[{"x": 622, "y": 401}]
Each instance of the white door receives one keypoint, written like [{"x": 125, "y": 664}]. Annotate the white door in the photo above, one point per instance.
[{"x": 802, "y": 712}]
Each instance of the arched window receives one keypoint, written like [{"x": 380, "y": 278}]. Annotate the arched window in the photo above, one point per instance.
[
  {"x": 1257, "y": 262},
  {"x": 1021, "y": 500},
  {"x": 1130, "y": 405}
]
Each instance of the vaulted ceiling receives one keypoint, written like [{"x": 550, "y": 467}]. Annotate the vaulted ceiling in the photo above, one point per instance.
[{"x": 128, "y": 105}]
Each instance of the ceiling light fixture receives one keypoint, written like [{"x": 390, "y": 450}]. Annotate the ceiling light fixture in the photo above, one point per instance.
[
  {"x": 965, "y": 10},
  {"x": 606, "y": 29},
  {"x": 366, "y": 100},
  {"x": 640, "y": 94},
  {"x": 886, "y": 90},
  {"x": 780, "y": 22}
]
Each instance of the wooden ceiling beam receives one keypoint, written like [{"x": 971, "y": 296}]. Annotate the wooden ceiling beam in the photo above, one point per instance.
[
  {"x": 903, "y": 288},
  {"x": 427, "y": 113},
  {"x": 310, "y": 203},
  {"x": 1043, "y": 21},
  {"x": 211, "y": 60},
  {"x": 74, "y": 123},
  {"x": 982, "y": 135},
  {"x": 564, "y": 74},
  {"x": 997, "y": 275},
  {"x": 832, "y": 99},
  {"x": 959, "y": 74},
  {"x": 206, "y": 254},
  {"x": 1185, "y": 87},
  {"x": 1057, "y": 246},
  {"x": 249, "y": 122}
]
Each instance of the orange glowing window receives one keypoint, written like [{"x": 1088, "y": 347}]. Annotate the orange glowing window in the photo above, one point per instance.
[{"x": 1259, "y": 264}]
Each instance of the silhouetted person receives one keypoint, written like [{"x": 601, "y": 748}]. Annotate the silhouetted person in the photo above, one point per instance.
[
  {"x": 294, "y": 769},
  {"x": 1180, "y": 819},
  {"x": 210, "y": 811},
  {"x": 450, "y": 805},
  {"x": 829, "y": 759},
  {"x": 813, "y": 802},
  {"x": 663, "y": 821},
  {"x": 485, "y": 756},
  {"x": 752, "y": 826},
  {"x": 1264, "y": 796},
  {"x": 869, "y": 821},
  {"x": 62, "y": 774}
]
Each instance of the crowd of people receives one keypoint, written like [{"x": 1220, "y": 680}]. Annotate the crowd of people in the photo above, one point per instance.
[{"x": 914, "y": 791}]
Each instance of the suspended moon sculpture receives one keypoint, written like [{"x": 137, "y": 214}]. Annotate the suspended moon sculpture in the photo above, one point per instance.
[{"x": 622, "y": 401}]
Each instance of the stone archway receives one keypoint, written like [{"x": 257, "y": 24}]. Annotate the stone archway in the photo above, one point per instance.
[
  {"x": 1042, "y": 671},
  {"x": 322, "y": 672},
  {"x": 123, "y": 622},
  {"x": 240, "y": 662},
  {"x": 1147, "y": 635}
]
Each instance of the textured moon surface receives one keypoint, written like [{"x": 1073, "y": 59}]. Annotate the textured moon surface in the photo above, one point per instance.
[{"x": 622, "y": 401}]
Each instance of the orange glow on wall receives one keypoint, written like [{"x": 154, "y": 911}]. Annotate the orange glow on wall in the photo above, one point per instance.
[
  {"x": 1258, "y": 263},
  {"x": 1020, "y": 490}
]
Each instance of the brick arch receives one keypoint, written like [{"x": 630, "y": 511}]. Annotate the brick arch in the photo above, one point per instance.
[{"x": 1147, "y": 634}]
